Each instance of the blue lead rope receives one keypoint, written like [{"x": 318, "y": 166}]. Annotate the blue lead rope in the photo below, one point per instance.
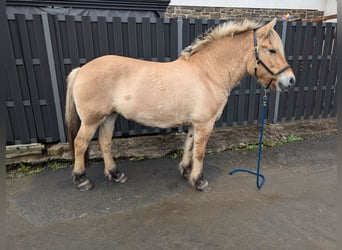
[{"x": 257, "y": 173}]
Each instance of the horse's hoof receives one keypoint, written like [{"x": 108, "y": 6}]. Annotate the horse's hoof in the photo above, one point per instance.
[
  {"x": 82, "y": 182},
  {"x": 201, "y": 184},
  {"x": 118, "y": 177}
]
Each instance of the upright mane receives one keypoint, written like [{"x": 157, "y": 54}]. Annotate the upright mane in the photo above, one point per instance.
[{"x": 215, "y": 33}]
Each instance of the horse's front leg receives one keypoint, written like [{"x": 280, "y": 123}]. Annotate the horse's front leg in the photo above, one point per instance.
[
  {"x": 105, "y": 141},
  {"x": 201, "y": 136},
  {"x": 185, "y": 165}
]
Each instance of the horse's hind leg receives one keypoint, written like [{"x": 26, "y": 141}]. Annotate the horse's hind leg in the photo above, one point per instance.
[
  {"x": 185, "y": 165},
  {"x": 201, "y": 136},
  {"x": 81, "y": 143},
  {"x": 105, "y": 141}
]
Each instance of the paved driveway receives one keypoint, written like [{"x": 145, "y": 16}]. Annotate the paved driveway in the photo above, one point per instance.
[{"x": 157, "y": 209}]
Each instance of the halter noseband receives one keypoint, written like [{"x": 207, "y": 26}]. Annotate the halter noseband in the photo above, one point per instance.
[{"x": 259, "y": 61}]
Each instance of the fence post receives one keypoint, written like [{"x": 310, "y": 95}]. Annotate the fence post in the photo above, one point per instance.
[
  {"x": 179, "y": 48},
  {"x": 180, "y": 35},
  {"x": 277, "y": 98},
  {"x": 54, "y": 83}
]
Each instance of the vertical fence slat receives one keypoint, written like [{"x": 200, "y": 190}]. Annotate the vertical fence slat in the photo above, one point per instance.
[
  {"x": 329, "y": 91},
  {"x": 132, "y": 38},
  {"x": 103, "y": 35},
  {"x": 173, "y": 39},
  {"x": 323, "y": 69},
  {"x": 160, "y": 39},
  {"x": 291, "y": 92},
  {"x": 259, "y": 106},
  {"x": 251, "y": 105},
  {"x": 272, "y": 106},
  {"x": 289, "y": 40},
  {"x": 318, "y": 41},
  {"x": 9, "y": 131},
  {"x": 230, "y": 109},
  {"x": 303, "y": 80},
  {"x": 87, "y": 38},
  {"x": 30, "y": 75},
  {"x": 242, "y": 101},
  {"x": 117, "y": 36},
  {"x": 146, "y": 34},
  {"x": 19, "y": 124},
  {"x": 211, "y": 23},
  {"x": 72, "y": 41},
  {"x": 334, "y": 108},
  {"x": 198, "y": 27},
  {"x": 288, "y": 44},
  {"x": 186, "y": 33}
]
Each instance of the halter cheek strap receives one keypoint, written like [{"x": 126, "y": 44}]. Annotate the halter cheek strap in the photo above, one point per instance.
[{"x": 259, "y": 61}]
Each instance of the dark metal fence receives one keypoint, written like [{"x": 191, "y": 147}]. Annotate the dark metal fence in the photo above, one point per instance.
[{"x": 46, "y": 47}]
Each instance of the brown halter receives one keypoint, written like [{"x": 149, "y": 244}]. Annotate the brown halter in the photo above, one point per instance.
[{"x": 259, "y": 61}]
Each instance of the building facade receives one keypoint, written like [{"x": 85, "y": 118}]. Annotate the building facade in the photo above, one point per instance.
[{"x": 260, "y": 10}]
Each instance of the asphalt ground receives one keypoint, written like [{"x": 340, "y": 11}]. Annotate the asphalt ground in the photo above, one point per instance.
[{"x": 158, "y": 209}]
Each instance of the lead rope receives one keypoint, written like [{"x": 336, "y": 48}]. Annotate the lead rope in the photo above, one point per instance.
[{"x": 257, "y": 173}]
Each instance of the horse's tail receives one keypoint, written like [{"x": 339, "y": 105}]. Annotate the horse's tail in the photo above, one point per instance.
[{"x": 72, "y": 119}]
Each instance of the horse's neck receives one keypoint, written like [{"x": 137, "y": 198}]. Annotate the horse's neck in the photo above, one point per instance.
[{"x": 225, "y": 60}]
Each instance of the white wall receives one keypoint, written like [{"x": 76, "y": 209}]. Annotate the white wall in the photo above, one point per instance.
[
  {"x": 278, "y": 4},
  {"x": 330, "y": 8}
]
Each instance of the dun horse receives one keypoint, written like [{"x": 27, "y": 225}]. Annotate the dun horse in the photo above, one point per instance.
[{"x": 191, "y": 90}]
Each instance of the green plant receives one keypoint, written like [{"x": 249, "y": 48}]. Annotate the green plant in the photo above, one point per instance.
[
  {"x": 251, "y": 146},
  {"x": 293, "y": 138},
  {"x": 177, "y": 153},
  {"x": 55, "y": 166},
  {"x": 23, "y": 169},
  {"x": 137, "y": 158},
  {"x": 35, "y": 170}
]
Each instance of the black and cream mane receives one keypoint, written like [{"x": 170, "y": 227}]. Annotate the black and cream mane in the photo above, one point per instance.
[{"x": 217, "y": 32}]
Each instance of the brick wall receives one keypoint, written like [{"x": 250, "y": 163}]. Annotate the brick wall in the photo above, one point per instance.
[{"x": 236, "y": 13}]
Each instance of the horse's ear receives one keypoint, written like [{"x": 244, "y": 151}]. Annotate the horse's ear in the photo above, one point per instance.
[{"x": 266, "y": 30}]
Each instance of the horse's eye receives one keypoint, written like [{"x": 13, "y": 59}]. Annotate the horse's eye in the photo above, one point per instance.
[{"x": 272, "y": 51}]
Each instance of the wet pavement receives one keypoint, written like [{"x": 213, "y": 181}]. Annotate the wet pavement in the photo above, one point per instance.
[{"x": 158, "y": 209}]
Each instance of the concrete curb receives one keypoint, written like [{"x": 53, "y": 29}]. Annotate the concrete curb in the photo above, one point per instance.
[{"x": 157, "y": 146}]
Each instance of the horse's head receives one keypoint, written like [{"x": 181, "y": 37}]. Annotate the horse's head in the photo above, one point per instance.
[{"x": 269, "y": 64}]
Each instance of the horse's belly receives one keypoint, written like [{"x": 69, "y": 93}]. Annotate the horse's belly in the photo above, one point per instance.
[
  {"x": 160, "y": 122},
  {"x": 157, "y": 116}
]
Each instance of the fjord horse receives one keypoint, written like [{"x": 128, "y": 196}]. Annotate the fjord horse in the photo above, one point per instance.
[{"x": 191, "y": 90}]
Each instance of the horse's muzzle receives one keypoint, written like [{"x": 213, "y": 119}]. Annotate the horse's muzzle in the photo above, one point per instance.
[{"x": 285, "y": 81}]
